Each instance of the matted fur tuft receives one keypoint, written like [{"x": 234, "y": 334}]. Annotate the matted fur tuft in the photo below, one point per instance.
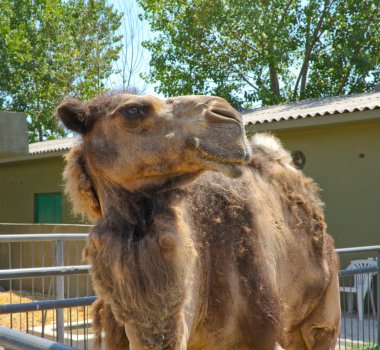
[
  {"x": 79, "y": 187},
  {"x": 299, "y": 194},
  {"x": 104, "y": 320},
  {"x": 270, "y": 146}
]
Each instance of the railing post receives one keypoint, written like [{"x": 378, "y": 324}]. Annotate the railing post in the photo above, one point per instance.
[
  {"x": 378, "y": 298},
  {"x": 60, "y": 283}
]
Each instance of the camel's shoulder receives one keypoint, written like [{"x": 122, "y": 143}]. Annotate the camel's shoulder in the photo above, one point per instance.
[
  {"x": 268, "y": 150},
  {"x": 272, "y": 162}
]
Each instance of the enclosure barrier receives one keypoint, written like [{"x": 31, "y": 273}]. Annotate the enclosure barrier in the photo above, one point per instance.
[
  {"x": 46, "y": 266},
  {"x": 357, "y": 331},
  {"x": 65, "y": 254},
  {"x": 46, "y": 305},
  {"x": 16, "y": 340}
]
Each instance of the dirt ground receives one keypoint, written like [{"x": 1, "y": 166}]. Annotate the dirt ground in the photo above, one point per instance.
[{"x": 27, "y": 320}]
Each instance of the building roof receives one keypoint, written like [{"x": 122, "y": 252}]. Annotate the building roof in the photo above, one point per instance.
[
  {"x": 313, "y": 108},
  {"x": 286, "y": 111},
  {"x": 53, "y": 145}
]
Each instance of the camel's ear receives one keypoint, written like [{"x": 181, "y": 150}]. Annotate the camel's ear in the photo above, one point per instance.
[
  {"x": 74, "y": 115},
  {"x": 79, "y": 185}
]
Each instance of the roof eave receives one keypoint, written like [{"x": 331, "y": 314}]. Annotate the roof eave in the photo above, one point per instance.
[
  {"x": 316, "y": 121},
  {"x": 34, "y": 156}
]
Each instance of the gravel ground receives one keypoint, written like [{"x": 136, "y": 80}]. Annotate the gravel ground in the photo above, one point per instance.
[{"x": 28, "y": 320}]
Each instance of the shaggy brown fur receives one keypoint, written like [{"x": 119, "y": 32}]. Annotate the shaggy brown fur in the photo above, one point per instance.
[
  {"x": 103, "y": 319},
  {"x": 183, "y": 256}
]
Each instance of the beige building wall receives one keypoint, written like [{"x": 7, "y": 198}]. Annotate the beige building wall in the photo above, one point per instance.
[
  {"x": 345, "y": 161},
  {"x": 20, "y": 181}
]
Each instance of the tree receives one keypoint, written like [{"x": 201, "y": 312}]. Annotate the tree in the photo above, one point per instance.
[
  {"x": 50, "y": 49},
  {"x": 131, "y": 60},
  {"x": 266, "y": 50}
]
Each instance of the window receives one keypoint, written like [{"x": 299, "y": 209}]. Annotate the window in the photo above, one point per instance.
[
  {"x": 48, "y": 208},
  {"x": 299, "y": 159}
]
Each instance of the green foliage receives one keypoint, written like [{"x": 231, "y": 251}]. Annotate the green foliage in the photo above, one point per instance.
[
  {"x": 266, "y": 50},
  {"x": 50, "y": 49}
]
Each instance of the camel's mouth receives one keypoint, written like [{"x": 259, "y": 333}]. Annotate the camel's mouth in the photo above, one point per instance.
[
  {"x": 224, "y": 115},
  {"x": 231, "y": 168},
  {"x": 229, "y": 165}
]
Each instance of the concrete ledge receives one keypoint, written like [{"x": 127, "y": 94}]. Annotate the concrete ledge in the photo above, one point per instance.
[
  {"x": 13, "y": 134},
  {"x": 10, "y": 228}
]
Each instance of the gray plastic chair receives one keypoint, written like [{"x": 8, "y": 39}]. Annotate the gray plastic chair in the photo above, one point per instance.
[{"x": 362, "y": 286}]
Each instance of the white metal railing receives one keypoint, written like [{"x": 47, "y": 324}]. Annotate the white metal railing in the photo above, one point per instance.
[
  {"x": 358, "y": 332},
  {"x": 355, "y": 334},
  {"x": 59, "y": 258}
]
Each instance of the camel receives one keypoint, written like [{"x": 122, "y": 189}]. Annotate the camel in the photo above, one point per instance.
[{"x": 202, "y": 240}]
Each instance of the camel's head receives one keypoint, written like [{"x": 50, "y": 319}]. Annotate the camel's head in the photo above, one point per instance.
[{"x": 140, "y": 142}]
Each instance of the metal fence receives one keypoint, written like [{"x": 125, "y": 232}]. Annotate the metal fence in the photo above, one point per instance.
[
  {"x": 45, "y": 294},
  {"x": 44, "y": 287},
  {"x": 360, "y": 298}
]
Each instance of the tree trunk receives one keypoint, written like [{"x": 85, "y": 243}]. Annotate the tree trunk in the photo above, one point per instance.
[
  {"x": 274, "y": 84},
  {"x": 40, "y": 134},
  {"x": 303, "y": 80}
]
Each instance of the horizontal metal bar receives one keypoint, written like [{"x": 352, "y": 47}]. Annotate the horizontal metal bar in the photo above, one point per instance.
[
  {"x": 44, "y": 271},
  {"x": 372, "y": 248},
  {"x": 42, "y": 237},
  {"x": 15, "y": 340},
  {"x": 46, "y": 305},
  {"x": 83, "y": 236},
  {"x": 84, "y": 269},
  {"x": 359, "y": 271}
]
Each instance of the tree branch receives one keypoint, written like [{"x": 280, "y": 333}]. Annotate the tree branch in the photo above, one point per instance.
[
  {"x": 344, "y": 81},
  {"x": 280, "y": 23},
  {"x": 240, "y": 40},
  {"x": 347, "y": 75},
  {"x": 248, "y": 82},
  {"x": 309, "y": 46}
]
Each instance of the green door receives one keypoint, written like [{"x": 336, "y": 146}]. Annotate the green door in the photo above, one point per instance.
[{"x": 48, "y": 208}]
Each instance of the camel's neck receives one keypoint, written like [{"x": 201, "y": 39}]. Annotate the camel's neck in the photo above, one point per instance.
[{"x": 128, "y": 213}]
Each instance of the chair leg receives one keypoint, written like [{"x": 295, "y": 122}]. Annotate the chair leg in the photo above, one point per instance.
[
  {"x": 360, "y": 305},
  {"x": 350, "y": 302},
  {"x": 372, "y": 302}
]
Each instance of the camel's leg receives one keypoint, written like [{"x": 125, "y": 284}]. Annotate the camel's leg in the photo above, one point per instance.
[
  {"x": 104, "y": 320},
  {"x": 117, "y": 341},
  {"x": 135, "y": 343},
  {"x": 321, "y": 329}
]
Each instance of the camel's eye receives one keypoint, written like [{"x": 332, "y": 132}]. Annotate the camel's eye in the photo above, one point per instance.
[{"x": 131, "y": 111}]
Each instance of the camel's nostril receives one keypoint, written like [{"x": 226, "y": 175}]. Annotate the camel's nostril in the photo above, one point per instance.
[{"x": 224, "y": 113}]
